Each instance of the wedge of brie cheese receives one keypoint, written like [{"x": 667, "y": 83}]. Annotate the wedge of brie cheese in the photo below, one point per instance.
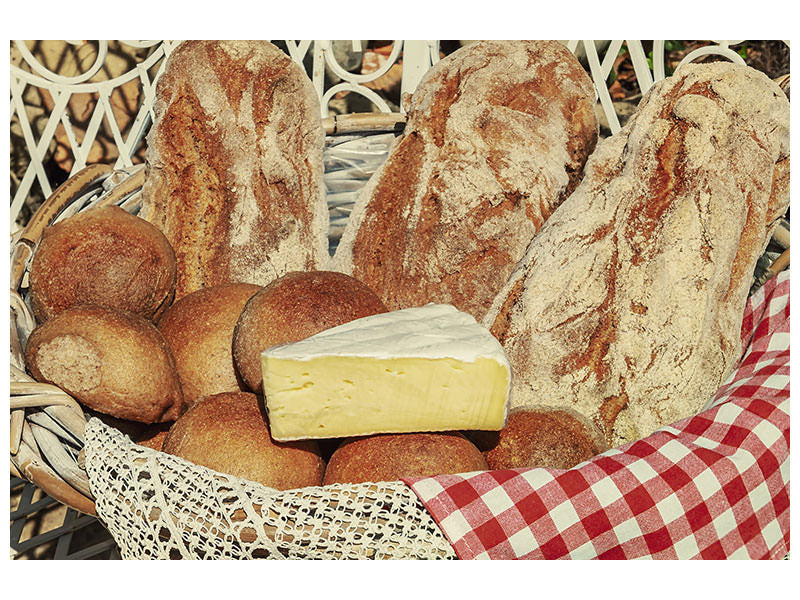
[{"x": 432, "y": 368}]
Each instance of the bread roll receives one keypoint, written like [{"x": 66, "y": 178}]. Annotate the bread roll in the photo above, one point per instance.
[
  {"x": 540, "y": 437},
  {"x": 114, "y": 362},
  {"x": 228, "y": 433},
  {"x": 104, "y": 256},
  {"x": 234, "y": 165},
  {"x": 631, "y": 297},
  {"x": 389, "y": 457},
  {"x": 294, "y": 307},
  {"x": 199, "y": 331},
  {"x": 496, "y": 137}
]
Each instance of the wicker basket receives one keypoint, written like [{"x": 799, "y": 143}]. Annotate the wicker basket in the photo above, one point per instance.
[{"x": 48, "y": 426}]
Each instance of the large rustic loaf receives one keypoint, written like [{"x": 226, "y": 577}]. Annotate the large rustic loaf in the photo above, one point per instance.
[
  {"x": 234, "y": 163},
  {"x": 628, "y": 304},
  {"x": 496, "y": 137}
]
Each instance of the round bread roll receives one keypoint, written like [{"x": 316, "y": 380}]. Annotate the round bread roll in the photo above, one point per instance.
[
  {"x": 112, "y": 361},
  {"x": 228, "y": 433},
  {"x": 389, "y": 457},
  {"x": 199, "y": 331},
  {"x": 154, "y": 436},
  {"x": 541, "y": 437},
  {"x": 104, "y": 256},
  {"x": 294, "y": 307}
]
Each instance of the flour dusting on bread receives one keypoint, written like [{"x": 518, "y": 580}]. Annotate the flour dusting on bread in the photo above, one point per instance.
[
  {"x": 235, "y": 165},
  {"x": 630, "y": 299},
  {"x": 496, "y": 137}
]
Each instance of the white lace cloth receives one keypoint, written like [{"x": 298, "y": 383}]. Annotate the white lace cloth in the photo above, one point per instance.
[{"x": 159, "y": 506}]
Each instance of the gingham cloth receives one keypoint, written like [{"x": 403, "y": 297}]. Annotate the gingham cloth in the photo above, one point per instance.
[{"x": 715, "y": 485}]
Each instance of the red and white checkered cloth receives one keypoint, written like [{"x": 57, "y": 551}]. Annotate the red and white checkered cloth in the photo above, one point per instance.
[{"x": 715, "y": 485}]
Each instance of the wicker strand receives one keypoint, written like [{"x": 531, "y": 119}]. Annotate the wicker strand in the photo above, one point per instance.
[
  {"x": 782, "y": 235},
  {"x": 61, "y": 461},
  {"x": 22, "y": 323},
  {"x": 44, "y": 418},
  {"x": 28, "y": 464},
  {"x": 15, "y": 436},
  {"x": 776, "y": 267},
  {"x": 339, "y": 124},
  {"x": 131, "y": 184}
]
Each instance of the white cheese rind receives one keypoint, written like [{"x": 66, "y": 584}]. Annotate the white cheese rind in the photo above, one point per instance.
[{"x": 430, "y": 331}]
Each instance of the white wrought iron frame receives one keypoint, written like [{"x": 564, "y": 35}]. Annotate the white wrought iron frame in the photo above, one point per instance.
[{"x": 417, "y": 57}]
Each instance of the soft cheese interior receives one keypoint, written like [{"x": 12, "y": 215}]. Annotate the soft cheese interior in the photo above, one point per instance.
[{"x": 431, "y": 368}]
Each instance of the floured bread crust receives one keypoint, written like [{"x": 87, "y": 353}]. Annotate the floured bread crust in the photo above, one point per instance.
[
  {"x": 234, "y": 163},
  {"x": 631, "y": 296},
  {"x": 496, "y": 137}
]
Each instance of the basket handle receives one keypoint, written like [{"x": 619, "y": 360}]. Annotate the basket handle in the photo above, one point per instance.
[
  {"x": 353, "y": 122},
  {"x": 67, "y": 192}
]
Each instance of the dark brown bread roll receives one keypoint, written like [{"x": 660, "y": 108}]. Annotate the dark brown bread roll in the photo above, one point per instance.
[
  {"x": 389, "y": 457},
  {"x": 199, "y": 330},
  {"x": 234, "y": 165},
  {"x": 628, "y": 304},
  {"x": 133, "y": 429},
  {"x": 154, "y": 436},
  {"x": 540, "y": 437},
  {"x": 114, "y": 362},
  {"x": 104, "y": 256},
  {"x": 294, "y": 307},
  {"x": 496, "y": 138},
  {"x": 228, "y": 433}
]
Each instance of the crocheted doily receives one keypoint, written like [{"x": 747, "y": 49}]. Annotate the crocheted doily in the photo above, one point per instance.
[{"x": 159, "y": 506}]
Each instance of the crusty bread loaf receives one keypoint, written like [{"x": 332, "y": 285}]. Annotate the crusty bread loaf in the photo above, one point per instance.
[
  {"x": 295, "y": 307},
  {"x": 199, "y": 330},
  {"x": 496, "y": 137},
  {"x": 631, "y": 296},
  {"x": 104, "y": 256},
  {"x": 389, "y": 457},
  {"x": 112, "y": 361},
  {"x": 228, "y": 433},
  {"x": 234, "y": 163},
  {"x": 540, "y": 437}
]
